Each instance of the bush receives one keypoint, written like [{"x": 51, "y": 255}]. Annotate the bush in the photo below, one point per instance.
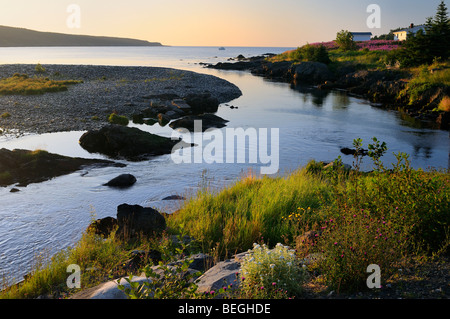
[
  {"x": 345, "y": 41},
  {"x": 118, "y": 119},
  {"x": 272, "y": 273},
  {"x": 313, "y": 53}
]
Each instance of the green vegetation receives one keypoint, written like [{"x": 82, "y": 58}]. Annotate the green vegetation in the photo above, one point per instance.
[
  {"x": 39, "y": 68},
  {"x": 118, "y": 119},
  {"x": 427, "y": 83},
  {"x": 22, "y": 84},
  {"x": 271, "y": 273},
  {"x": 359, "y": 218},
  {"x": 305, "y": 53},
  {"x": 427, "y": 45},
  {"x": 344, "y": 40},
  {"x": 346, "y": 218}
]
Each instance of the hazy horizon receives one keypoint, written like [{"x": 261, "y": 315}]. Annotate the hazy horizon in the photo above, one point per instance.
[{"x": 259, "y": 23}]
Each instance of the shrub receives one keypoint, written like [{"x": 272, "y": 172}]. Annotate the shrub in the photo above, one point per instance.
[
  {"x": 21, "y": 84},
  {"x": 353, "y": 241},
  {"x": 39, "y": 68},
  {"x": 118, "y": 119},
  {"x": 345, "y": 41},
  {"x": 272, "y": 273}
]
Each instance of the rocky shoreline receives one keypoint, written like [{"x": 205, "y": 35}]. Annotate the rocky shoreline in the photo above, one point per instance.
[
  {"x": 86, "y": 106},
  {"x": 381, "y": 87}
]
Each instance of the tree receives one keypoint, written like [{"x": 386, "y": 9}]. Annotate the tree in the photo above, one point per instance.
[
  {"x": 438, "y": 33},
  {"x": 345, "y": 41},
  {"x": 425, "y": 46}
]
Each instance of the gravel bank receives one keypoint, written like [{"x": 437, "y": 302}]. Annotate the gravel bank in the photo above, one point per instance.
[{"x": 86, "y": 106}]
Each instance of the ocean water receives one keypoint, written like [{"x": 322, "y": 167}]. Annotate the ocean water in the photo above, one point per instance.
[{"x": 51, "y": 216}]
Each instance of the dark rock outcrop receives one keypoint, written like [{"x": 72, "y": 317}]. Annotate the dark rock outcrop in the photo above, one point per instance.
[
  {"x": 312, "y": 73},
  {"x": 125, "y": 142},
  {"x": 208, "y": 121},
  {"x": 202, "y": 103},
  {"x": 135, "y": 220},
  {"x": 26, "y": 167},
  {"x": 103, "y": 226}
]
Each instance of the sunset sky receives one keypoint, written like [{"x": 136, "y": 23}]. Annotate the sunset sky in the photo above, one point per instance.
[{"x": 281, "y": 23}]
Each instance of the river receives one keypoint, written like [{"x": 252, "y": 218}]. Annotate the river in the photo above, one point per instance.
[{"x": 47, "y": 217}]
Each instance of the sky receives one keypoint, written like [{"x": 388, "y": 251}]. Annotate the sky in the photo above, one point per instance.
[{"x": 262, "y": 23}]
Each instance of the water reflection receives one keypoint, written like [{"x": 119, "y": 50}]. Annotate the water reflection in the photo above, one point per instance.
[{"x": 311, "y": 94}]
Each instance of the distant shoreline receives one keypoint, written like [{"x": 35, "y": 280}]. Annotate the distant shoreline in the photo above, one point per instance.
[{"x": 20, "y": 37}]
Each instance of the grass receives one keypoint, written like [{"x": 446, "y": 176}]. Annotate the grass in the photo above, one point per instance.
[
  {"x": 350, "y": 219},
  {"x": 22, "y": 84},
  {"x": 426, "y": 81},
  {"x": 118, "y": 119},
  {"x": 364, "y": 58},
  {"x": 233, "y": 219}
]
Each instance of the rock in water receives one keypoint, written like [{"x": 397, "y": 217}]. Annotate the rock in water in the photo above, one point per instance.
[
  {"x": 125, "y": 142},
  {"x": 25, "y": 167},
  {"x": 135, "y": 220},
  {"x": 207, "y": 120},
  {"x": 122, "y": 181}
]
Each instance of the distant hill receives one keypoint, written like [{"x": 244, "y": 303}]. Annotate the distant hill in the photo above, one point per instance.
[{"x": 19, "y": 37}]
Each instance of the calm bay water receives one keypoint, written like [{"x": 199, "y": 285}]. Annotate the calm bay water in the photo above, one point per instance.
[{"x": 50, "y": 216}]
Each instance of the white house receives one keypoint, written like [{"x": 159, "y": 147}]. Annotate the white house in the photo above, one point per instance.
[
  {"x": 402, "y": 35},
  {"x": 361, "y": 36}
]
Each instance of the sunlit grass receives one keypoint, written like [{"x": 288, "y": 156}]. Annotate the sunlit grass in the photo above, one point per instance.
[{"x": 22, "y": 84}]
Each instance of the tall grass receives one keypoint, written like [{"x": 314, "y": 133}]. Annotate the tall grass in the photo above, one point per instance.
[
  {"x": 352, "y": 218},
  {"x": 248, "y": 211},
  {"x": 21, "y": 84}
]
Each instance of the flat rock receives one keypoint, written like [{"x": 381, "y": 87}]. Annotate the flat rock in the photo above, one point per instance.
[
  {"x": 26, "y": 167},
  {"x": 126, "y": 142},
  {"x": 208, "y": 121}
]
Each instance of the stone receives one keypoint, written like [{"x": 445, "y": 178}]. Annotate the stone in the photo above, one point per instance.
[
  {"x": 103, "y": 226},
  {"x": 221, "y": 275},
  {"x": 122, "y": 181},
  {"x": 126, "y": 142},
  {"x": 208, "y": 121},
  {"x": 202, "y": 103},
  {"x": 181, "y": 104},
  {"x": 26, "y": 167},
  {"x": 312, "y": 72},
  {"x": 109, "y": 290},
  {"x": 135, "y": 220},
  {"x": 174, "y": 197}
]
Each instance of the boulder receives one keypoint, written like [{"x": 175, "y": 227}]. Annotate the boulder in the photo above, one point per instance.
[
  {"x": 202, "y": 103},
  {"x": 208, "y": 121},
  {"x": 122, "y": 181},
  {"x": 26, "y": 167},
  {"x": 312, "y": 73},
  {"x": 174, "y": 197},
  {"x": 103, "y": 226},
  {"x": 109, "y": 290},
  {"x": 221, "y": 275},
  {"x": 181, "y": 104},
  {"x": 135, "y": 220},
  {"x": 125, "y": 142}
]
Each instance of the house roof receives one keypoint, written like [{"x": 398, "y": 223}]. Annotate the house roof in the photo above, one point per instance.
[
  {"x": 414, "y": 29},
  {"x": 361, "y": 33}
]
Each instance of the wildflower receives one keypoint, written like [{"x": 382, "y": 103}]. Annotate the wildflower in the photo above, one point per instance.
[
  {"x": 274, "y": 284},
  {"x": 272, "y": 266}
]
